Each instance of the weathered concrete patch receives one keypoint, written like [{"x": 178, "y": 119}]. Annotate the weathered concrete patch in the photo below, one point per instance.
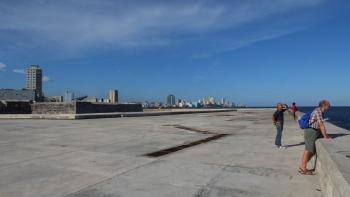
[
  {"x": 94, "y": 192},
  {"x": 224, "y": 192},
  {"x": 184, "y": 146}
]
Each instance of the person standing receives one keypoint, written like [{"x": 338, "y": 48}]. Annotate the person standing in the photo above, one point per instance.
[
  {"x": 294, "y": 110},
  {"x": 316, "y": 130},
  {"x": 278, "y": 121}
]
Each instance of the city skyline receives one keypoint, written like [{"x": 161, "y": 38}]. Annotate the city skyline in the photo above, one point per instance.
[
  {"x": 34, "y": 83},
  {"x": 254, "y": 53}
]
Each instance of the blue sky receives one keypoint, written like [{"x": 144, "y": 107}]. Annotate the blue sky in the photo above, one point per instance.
[{"x": 254, "y": 52}]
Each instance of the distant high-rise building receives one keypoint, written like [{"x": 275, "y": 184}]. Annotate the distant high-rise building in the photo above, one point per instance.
[
  {"x": 171, "y": 100},
  {"x": 68, "y": 96},
  {"x": 222, "y": 101},
  {"x": 209, "y": 101},
  {"x": 35, "y": 80},
  {"x": 113, "y": 96}
]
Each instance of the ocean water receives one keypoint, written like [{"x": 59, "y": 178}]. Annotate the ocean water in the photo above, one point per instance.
[{"x": 339, "y": 116}]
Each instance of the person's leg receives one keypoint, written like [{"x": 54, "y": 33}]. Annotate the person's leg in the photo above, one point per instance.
[
  {"x": 305, "y": 160},
  {"x": 310, "y": 136},
  {"x": 281, "y": 128},
  {"x": 278, "y": 135}
]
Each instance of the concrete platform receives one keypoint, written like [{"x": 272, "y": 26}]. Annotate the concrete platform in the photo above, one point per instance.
[
  {"x": 104, "y": 157},
  {"x": 74, "y": 116}
]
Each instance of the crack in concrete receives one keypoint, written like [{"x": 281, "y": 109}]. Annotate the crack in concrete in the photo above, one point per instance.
[{"x": 86, "y": 190}]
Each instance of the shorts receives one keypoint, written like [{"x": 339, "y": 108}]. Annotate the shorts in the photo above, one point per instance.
[{"x": 310, "y": 137}]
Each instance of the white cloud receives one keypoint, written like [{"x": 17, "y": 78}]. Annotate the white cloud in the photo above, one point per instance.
[
  {"x": 82, "y": 24},
  {"x": 21, "y": 71},
  {"x": 245, "y": 41},
  {"x": 46, "y": 79},
  {"x": 2, "y": 66}
]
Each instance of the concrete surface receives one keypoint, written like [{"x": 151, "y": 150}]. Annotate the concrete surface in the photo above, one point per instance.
[
  {"x": 73, "y": 116},
  {"x": 104, "y": 157},
  {"x": 333, "y": 163}
]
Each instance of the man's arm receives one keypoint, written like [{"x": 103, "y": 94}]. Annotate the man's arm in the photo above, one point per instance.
[
  {"x": 323, "y": 130},
  {"x": 274, "y": 119},
  {"x": 320, "y": 121}
]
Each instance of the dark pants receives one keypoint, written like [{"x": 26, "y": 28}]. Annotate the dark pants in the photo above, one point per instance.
[{"x": 278, "y": 140}]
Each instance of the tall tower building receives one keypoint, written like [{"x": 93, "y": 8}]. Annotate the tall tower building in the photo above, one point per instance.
[
  {"x": 223, "y": 102},
  {"x": 113, "y": 96},
  {"x": 68, "y": 96},
  {"x": 171, "y": 101},
  {"x": 35, "y": 80}
]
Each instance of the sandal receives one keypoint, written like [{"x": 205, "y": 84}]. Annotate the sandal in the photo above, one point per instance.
[
  {"x": 306, "y": 172},
  {"x": 312, "y": 170}
]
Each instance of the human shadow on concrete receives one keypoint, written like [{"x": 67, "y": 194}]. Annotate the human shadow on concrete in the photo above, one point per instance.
[
  {"x": 336, "y": 135},
  {"x": 293, "y": 145}
]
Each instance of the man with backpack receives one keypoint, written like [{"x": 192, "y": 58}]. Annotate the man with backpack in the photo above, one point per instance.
[
  {"x": 314, "y": 128},
  {"x": 278, "y": 121}
]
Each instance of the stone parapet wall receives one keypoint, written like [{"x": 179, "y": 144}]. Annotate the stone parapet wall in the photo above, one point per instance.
[
  {"x": 15, "y": 107},
  {"x": 333, "y": 162},
  {"x": 83, "y": 108},
  {"x": 54, "y": 108},
  {"x": 87, "y": 107},
  {"x": 332, "y": 170},
  {"x": 20, "y": 107}
]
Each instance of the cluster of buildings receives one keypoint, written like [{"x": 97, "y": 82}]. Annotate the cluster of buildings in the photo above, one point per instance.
[
  {"x": 33, "y": 92},
  {"x": 69, "y": 96},
  {"x": 206, "y": 102}
]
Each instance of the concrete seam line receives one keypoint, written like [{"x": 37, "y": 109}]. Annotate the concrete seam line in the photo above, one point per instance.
[
  {"x": 41, "y": 157},
  {"x": 109, "y": 178}
]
